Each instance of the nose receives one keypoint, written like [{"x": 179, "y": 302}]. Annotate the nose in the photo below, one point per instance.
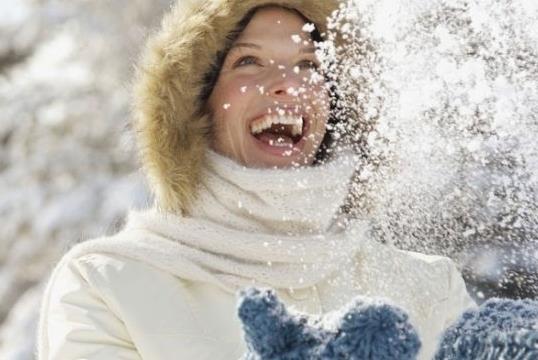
[{"x": 284, "y": 84}]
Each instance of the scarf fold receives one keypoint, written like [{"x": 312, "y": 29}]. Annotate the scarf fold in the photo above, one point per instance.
[
  {"x": 266, "y": 227},
  {"x": 295, "y": 200}
]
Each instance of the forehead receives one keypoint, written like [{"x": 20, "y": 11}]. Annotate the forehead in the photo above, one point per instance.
[{"x": 274, "y": 22}]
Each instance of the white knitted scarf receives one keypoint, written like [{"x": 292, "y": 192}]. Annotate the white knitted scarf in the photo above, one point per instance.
[{"x": 265, "y": 227}]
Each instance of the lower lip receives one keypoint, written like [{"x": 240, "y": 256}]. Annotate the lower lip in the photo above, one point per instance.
[{"x": 284, "y": 151}]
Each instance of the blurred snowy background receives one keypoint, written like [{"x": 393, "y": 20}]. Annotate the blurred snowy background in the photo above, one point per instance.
[{"x": 68, "y": 171}]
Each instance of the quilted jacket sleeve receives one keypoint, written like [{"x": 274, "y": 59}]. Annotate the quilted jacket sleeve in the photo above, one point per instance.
[
  {"x": 459, "y": 299},
  {"x": 76, "y": 323}
]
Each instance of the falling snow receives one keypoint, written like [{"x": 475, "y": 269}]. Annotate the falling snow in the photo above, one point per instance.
[
  {"x": 447, "y": 99},
  {"x": 308, "y": 27},
  {"x": 296, "y": 38},
  {"x": 445, "y": 93}
]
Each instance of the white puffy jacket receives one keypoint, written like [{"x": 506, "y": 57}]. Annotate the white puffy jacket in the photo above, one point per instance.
[
  {"x": 106, "y": 306},
  {"x": 164, "y": 287}
]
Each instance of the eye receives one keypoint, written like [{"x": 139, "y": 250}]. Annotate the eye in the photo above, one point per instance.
[
  {"x": 246, "y": 60},
  {"x": 308, "y": 64}
]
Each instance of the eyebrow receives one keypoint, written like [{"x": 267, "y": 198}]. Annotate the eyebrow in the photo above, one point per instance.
[{"x": 307, "y": 50}]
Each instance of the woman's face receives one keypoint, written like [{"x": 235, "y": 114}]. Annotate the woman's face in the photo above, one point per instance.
[{"x": 269, "y": 104}]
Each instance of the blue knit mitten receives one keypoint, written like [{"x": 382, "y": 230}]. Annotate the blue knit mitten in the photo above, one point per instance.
[
  {"x": 365, "y": 329},
  {"x": 498, "y": 329}
]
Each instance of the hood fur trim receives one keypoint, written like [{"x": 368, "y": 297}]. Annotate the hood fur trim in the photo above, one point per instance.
[{"x": 171, "y": 134}]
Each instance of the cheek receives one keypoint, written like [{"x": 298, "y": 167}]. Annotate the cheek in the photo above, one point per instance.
[
  {"x": 323, "y": 98},
  {"x": 229, "y": 105},
  {"x": 223, "y": 99},
  {"x": 321, "y": 104},
  {"x": 320, "y": 101},
  {"x": 231, "y": 97}
]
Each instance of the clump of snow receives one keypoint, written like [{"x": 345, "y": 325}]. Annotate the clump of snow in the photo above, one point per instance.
[
  {"x": 308, "y": 27},
  {"x": 296, "y": 38},
  {"x": 441, "y": 99}
]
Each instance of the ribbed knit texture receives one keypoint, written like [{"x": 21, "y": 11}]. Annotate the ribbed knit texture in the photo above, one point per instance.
[
  {"x": 367, "y": 329},
  {"x": 498, "y": 329},
  {"x": 269, "y": 227},
  {"x": 372, "y": 329}
]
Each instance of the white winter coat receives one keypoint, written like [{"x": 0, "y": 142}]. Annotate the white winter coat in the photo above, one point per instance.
[{"x": 165, "y": 286}]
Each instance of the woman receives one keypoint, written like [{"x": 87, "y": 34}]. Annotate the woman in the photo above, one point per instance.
[{"x": 231, "y": 121}]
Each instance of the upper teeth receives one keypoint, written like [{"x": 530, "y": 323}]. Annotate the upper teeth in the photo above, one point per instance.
[{"x": 265, "y": 122}]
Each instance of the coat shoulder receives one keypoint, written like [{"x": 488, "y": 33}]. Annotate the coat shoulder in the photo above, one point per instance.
[
  {"x": 430, "y": 277},
  {"x": 107, "y": 303},
  {"x": 442, "y": 274},
  {"x": 76, "y": 321},
  {"x": 132, "y": 285},
  {"x": 436, "y": 267}
]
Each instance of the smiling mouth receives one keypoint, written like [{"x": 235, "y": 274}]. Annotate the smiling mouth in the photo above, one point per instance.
[{"x": 279, "y": 131}]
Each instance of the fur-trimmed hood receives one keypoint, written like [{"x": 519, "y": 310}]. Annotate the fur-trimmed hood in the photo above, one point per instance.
[{"x": 171, "y": 130}]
